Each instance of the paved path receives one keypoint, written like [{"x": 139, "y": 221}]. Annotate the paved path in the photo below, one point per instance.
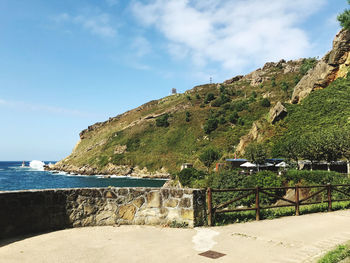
[{"x": 288, "y": 239}]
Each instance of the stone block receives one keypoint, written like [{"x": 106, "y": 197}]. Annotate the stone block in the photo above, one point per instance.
[
  {"x": 139, "y": 202},
  {"x": 165, "y": 193},
  {"x": 185, "y": 202},
  {"x": 177, "y": 193},
  {"x": 171, "y": 203},
  {"x": 123, "y": 191},
  {"x": 173, "y": 214},
  {"x": 109, "y": 194},
  {"x": 154, "y": 200},
  {"x": 187, "y": 214},
  {"x": 127, "y": 212}
]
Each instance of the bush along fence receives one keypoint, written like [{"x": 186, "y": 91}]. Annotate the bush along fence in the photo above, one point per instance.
[{"x": 220, "y": 201}]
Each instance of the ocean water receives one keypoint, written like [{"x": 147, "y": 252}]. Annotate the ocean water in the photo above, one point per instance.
[{"x": 15, "y": 177}]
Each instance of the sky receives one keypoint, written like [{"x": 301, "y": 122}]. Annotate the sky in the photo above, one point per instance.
[{"x": 65, "y": 65}]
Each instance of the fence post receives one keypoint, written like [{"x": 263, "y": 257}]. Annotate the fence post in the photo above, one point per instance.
[
  {"x": 210, "y": 209},
  {"x": 257, "y": 206},
  {"x": 296, "y": 200},
  {"x": 329, "y": 194}
]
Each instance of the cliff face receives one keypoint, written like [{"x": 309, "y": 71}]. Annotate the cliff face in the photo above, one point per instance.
[{"x": 333, "y": 65}]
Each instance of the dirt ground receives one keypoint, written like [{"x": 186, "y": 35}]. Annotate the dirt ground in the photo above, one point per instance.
[{"x": 288, "y": 239}]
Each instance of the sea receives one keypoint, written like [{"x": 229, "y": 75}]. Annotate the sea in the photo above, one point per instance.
[{"x": 15, "y": 177}]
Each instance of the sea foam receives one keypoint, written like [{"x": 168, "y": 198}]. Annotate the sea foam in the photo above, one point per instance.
[{"x": 37, "y": 165}]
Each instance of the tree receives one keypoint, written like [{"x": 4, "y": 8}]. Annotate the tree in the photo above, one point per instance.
[
  {"x": 310, "y": 148},
  {"x": 289, "y": 148},
  {"x": 330, "y": 146},
  {"x": 345, "y": 146},
  {"x": 208, "y": 157},
  {"x": 344, "y": 18},
  {"x": 256, "y": 153}
]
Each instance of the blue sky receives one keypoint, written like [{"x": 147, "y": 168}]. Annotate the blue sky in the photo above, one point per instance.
[{"x": 67, "y": 64}]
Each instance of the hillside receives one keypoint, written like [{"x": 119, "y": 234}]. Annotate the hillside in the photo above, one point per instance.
[{"x": 154, "y": 139}]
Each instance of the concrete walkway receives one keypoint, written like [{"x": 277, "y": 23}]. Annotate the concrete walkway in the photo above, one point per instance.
[{"x": 288, "y": 239}]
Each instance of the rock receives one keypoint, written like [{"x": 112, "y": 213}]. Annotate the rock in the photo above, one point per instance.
[
  {"x": 153, "y": 200},
  {"x": 171, "y": 203},
  {"x": 127, "y": 212},
  {"x": 234, "y": 79},
  {"x": 333, "y": 65},
  {"x": 278, "y": 112},
  {"x": 253, "y": 135},
  {"x": 120, "y": 149}
]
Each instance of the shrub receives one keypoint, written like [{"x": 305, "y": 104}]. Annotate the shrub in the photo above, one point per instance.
[
  {"x": 210, "y": 125},
  {"x": 284, "y": 86},
  {"x": 209, "y": 97},
  {"x": 265, "y": 102},
  {"x": 188, "y": 97},
  {"x": 233, "y": 117},
  {"x": 208, "y": 157},
  {"x": 162, "y": 121},
  {"x": 197, "y": 96},
  {"x": 240, "y": 105},
  {"x": 222, "y": 120},
  {"x": 132, "y": 144},
  {"x": 189, "y": 175},
  {"x": 307, "y": 64},
  {"x": 240, "y": 121},
  {"x": 273, "y": 81}
]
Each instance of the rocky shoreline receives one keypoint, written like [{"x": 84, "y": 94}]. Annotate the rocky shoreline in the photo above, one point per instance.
[{"x": 109, "y": 170}]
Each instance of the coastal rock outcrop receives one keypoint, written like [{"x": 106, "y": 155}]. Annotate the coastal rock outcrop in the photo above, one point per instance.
[
  {"x": 278, "y": 112},
  {"x": 333, "y": 65}
]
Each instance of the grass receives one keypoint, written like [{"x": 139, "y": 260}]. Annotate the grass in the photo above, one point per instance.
[
  {"x": 246, "y": 216},
  {"x": 336, "y": 255}
]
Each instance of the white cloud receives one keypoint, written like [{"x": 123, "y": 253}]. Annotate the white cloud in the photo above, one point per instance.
[
  {"x": 24, "y": 106},
  {"x": 96, "y": 24},
  {"x": 235, "y": 34}
]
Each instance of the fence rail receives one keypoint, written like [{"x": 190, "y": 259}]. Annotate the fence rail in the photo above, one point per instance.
[{"x": 257, "y": 191}]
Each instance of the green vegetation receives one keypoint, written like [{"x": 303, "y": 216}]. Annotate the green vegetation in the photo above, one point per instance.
[
  {"x": 208, "y": 157},
  {"x": 312, "y": 129},
  {"x": 265, "y": 102},
  {"x": 344, "y": 18},
  {"x": 163, "y": 121},
  {"x": 308, "y": 63},
  {"x": 336, "y": 255}
]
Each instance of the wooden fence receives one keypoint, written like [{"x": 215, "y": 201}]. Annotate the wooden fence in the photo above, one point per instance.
[{"x": 257, "y": 207}]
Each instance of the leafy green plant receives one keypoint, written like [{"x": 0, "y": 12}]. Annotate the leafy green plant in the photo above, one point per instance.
[
  {"x": 265, "y": 103},
  {"x": 208, "y": 157},
  {"x": 209, "y": 97},
  {"x": 336, "y": 255},
  {"x": 307, "y": 64},
  {"x": 344, "y": 18},
  {"x": 162, "y": 121},
  {"x": 210, "y": 125}
]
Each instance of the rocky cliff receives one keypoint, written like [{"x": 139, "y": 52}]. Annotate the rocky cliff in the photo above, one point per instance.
[
  {"x": 333, "y": 65},
  {"x": 154, "y": 139}
]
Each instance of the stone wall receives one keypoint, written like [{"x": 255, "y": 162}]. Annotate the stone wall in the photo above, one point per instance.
[{"x": 32, "y": 211}]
